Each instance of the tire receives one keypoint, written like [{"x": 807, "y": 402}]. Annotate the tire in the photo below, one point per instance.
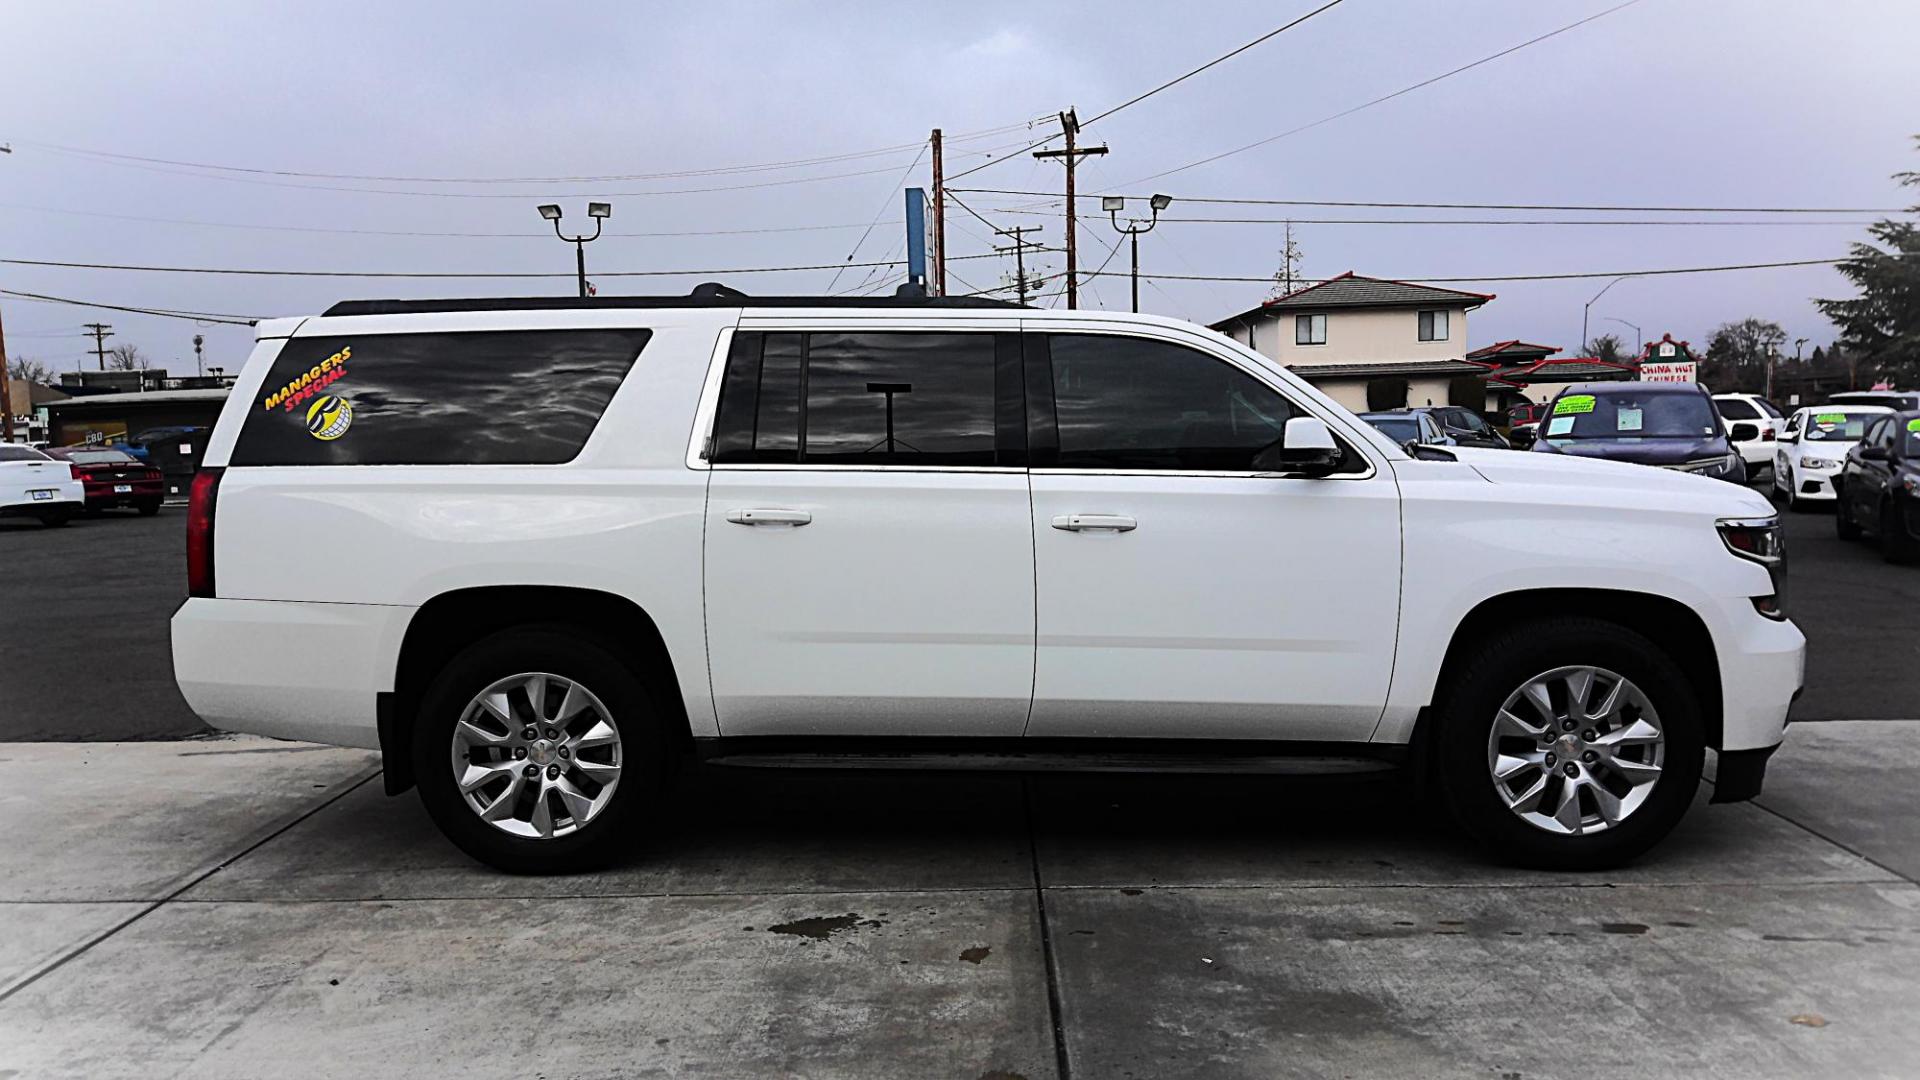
[
  {"x": 1896, "y": 544},
  {"x": 147, "y": 509},
  {"x": 56, "y": 519},
  {"x": 1844, "y": 526},
  {"x": 1465, "y": 722},
  {"x": 515, "y": 845}
]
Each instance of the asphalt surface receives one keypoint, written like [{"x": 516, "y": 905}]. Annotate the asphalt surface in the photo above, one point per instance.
[{"x": 85, "y": 655}]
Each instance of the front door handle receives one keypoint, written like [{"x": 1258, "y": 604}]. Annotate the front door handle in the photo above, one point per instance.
[
  {"x": 1095, "y": 523},
  {"x": 757, "y": 516}
]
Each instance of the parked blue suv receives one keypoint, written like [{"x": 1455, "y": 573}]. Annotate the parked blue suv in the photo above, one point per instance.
[{"x": 1671, "y": 425}]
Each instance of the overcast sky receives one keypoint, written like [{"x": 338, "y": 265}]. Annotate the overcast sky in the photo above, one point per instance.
[{"x": 1762, "y": 103}]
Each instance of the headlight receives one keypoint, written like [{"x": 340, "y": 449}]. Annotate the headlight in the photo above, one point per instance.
[
  {"x": 1818, "y": 463},
  {"x": 1910, "y": 484},
  {"x": 1713, "y": 466},
  {"x": 1761, "y": 540}
]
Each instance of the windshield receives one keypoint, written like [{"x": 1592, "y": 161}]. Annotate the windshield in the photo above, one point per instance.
[
  {"x": 1396, "y": 428},
  {"x": 1833, "y": 425},
  {"x": 1630, "y": 414},
  {"x": 98, "y": 457},
  {"x": 1455, "y": 416}
]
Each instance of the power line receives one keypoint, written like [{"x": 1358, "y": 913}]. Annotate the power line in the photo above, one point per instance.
[
  {"x": 248, "y": 272},
  {"x": 1696, "y": 222},
  {"x": 416, "y": 232},
  {"x": 765, "y": 166},
  {"x": 194, "y": 316},
  {"x": 1529, "y": 277},
  {"x": 1389, "y": 97},
  {"x": 1222, "y": 58},
  {"x": 881, "y": 212},
  {"x": 1493, "y": 206}
]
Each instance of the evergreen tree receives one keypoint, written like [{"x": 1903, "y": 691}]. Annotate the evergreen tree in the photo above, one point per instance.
[{"x": 1880, "y": 328}]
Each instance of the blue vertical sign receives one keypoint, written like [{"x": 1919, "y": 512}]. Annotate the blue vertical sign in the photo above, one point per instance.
[{"x": 917, "y": 236}]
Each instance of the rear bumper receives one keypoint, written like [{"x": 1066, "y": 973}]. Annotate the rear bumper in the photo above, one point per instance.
[
  {"x": 68, "y": 495},
  {"x": 288, "y": 670},
  {"x": 149, "y": 491}
]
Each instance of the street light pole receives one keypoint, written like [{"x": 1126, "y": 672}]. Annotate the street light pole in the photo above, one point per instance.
[
  {"x": 1113, "y": 204},
  {"x": 599, "y": 212},
  {"x": 1639, "y": 342},
  {"x": 1589, "y": 307}
]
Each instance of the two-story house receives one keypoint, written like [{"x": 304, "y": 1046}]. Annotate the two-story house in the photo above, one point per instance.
[{"x": 1370, "y": 343}]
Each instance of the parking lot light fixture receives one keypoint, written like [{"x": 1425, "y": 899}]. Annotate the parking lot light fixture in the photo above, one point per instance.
[
  {"x": 1113, "y": 204},
  {"x": 599, "y": 212}
]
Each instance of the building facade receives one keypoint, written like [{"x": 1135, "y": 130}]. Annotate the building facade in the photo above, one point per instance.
[{"x": 1371, "y": 343}]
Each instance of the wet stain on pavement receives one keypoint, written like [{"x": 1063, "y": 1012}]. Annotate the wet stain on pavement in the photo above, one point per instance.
[
  {"x": 822, "y": 927},
  {"x": 1623, "y": 927},
  {"x": 975, "y": 954}
]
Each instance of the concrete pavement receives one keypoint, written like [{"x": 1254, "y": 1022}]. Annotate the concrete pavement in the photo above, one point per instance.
[{"x": 204, "y": 909}]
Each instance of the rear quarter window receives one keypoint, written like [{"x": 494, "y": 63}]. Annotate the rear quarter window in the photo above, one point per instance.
[{"x": 518, "y": 397}]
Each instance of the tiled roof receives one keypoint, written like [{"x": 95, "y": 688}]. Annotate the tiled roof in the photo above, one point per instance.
[
  {"x": 1512, "y": 348},
  {"x": 1389, "y": 367},
  {"x": 1572, "y": 367},
  {"x": 1350, "y": 290}
]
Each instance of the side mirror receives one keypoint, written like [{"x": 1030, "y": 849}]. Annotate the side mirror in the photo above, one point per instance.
[
  {"x": 1744, "y": 432},
  {"x": 1521, "y": 438},
  {"x": 1875, "y": 453},
  {"x": 1306, "y": 448},
  {"x": 1790, "y": 437}
]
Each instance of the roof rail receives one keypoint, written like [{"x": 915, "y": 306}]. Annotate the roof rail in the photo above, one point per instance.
[{"x": 705, "y": 294}]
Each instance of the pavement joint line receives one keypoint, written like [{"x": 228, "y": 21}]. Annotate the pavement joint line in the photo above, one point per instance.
[
  {"x": 1848, "y": 848},
  {"x": 1063, "y": 1065},
  {"x": 1818, "y": 835},
  {"x": 59, "y": 962}
]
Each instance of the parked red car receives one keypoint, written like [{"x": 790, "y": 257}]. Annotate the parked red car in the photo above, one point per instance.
[{"x": 114, "y": 478}]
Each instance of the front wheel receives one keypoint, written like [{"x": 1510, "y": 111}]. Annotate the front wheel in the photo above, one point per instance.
[
  {"x": 1897, "y": 545},
  {"x": 1569, "y": 744},
  {"x": 1844, "y": 526},
  {"x": 536, "y": 750}
]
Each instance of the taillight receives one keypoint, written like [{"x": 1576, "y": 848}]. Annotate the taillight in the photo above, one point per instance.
[
  {"x": 201, "y": 497},
  {"x": 152, "y": 474},
  {"x": 1767, "y": 435},
  {"x": 72, "y": 472}
]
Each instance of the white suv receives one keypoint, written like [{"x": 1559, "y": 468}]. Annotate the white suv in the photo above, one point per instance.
[
  {"x": 1753, "y": 427},
  {"x": 537, "y": 552}
]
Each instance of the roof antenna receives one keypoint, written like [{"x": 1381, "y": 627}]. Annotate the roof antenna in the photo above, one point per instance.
[{"x": 713, "y": 290}]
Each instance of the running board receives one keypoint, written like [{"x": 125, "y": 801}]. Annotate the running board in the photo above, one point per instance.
[{"x": 1093, "y": 755}]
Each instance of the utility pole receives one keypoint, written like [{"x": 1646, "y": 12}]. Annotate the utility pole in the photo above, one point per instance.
[
  {"x": 1070, "y": 124},
  {"x": 939, "y": 220},
  {"x": 6, "y": 392},
  {"x": 198, "y": 367},
  {"x": 100, "y": 332},
  {"x": 1019, "y": 249}
]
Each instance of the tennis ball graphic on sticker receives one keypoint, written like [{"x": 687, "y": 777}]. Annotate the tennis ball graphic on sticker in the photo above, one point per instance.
[{"x": 329, "y": 418}]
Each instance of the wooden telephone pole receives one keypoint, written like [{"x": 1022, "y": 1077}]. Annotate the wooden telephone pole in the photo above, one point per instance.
[
  {"x": 1019, "y": 249},
  {"x": 1070, "y": 124},
  {"x": 939, "y": 220},
  {"x": 100, "y": 332},
  {"x": 6, "y": 392}
]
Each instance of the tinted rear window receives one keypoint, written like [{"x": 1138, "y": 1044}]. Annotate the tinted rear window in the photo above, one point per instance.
[
  {"x": 518, "y": 397},
  {"x": 1735, "y": 409},
  {"x": 21, "y": 453}
]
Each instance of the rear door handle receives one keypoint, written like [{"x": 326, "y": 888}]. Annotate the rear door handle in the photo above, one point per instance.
[
  {"x": 1095, "y": 523},
  {"x": 757, "y": 516}
]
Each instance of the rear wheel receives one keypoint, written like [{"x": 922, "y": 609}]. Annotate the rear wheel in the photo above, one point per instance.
[
  {"x": 1896, "y": 544},
  {"x": 148, "y": 508},
  {"x": 536, "y": 751},
  {"x": 1569, "y": 743},
  {"x": 53, "y": 519}
]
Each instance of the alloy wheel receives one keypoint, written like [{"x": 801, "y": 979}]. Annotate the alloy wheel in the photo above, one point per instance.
[
  {"x": 1576, "y": 750},
  {"x": 536, "y": 755}
]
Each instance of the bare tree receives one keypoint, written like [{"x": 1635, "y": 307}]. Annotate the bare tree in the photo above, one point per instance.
[
  {"x": 21, "y": 367},
  {"x": 127, "y": 358},
  {"x": 1607, "y": 347}
]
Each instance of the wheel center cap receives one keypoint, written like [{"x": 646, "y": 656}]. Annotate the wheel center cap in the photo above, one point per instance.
[
  {"x": 1569, "y": 746},
  {"x": 541, "y": 752}
]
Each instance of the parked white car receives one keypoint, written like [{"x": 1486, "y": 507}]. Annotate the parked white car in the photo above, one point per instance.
[
  {"x": 1813, "y": 446},
  {"x": 35, "y": 485},
  {"x": 1762, "y": 434},
  {"x": 537, "y": 551}
]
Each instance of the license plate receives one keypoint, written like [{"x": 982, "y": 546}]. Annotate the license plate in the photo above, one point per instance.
[
  {"x": 43, "y": 495},
  {"x": 123, "y": 489}
]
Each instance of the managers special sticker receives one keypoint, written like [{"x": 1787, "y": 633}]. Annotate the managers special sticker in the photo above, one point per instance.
[{"x": 329, "y": 418}]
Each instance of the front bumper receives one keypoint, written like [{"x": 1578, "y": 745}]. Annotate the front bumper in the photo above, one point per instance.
[{"x": 1813, "y": 485}]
